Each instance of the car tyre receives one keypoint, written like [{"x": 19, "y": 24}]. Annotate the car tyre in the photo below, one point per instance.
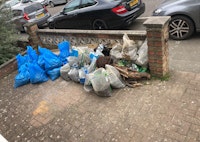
[
  {"x": 99, "y": 25},
  {"x": 51, "y": 25},
  {"x": 51, "y": 4},
  {"x": 180, "y": 27}
]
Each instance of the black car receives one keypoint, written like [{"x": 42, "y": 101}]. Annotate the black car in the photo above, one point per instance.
[{"x": 97, "y": 14}]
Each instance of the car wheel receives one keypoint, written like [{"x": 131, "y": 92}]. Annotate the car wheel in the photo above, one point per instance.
[
  {"x": 180, "y": 27},
  {"x": 51, "y": 25},
  {"x": 99, "y": 25},
  {"x": 51, "y": 4}
]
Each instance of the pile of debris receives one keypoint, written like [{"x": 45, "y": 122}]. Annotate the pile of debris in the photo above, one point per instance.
[{"x": 99, "y": 70}]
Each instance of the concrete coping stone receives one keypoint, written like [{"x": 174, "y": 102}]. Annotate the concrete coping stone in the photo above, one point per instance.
[
  {"x": 100, "y": 32},
  {"x": 157, "y": 21}
]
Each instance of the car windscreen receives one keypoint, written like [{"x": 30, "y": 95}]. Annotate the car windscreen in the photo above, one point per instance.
[{"x": 32, "y": 8}]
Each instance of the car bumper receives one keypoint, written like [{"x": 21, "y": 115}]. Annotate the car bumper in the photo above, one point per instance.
[
  {"x": 39, "y": 22},
  {"x": 43, "y": 20},
  {"x": 126, "y": 20}
]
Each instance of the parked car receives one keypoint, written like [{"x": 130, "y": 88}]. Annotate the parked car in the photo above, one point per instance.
[
  {"x": 9, "y": 4},
  {"x": 43, "y": 2},
  {"x": 185, "y": 17},
  {"x": 29, "y": 12},
  {"x": 97, "y": 14},
  {"x": 53, "y": 3}
]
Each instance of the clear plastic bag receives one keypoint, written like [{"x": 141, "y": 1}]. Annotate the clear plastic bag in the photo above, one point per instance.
[
  {"x": 64, "y": 72},
  {"x": 87, "y": 84},
  {"x": 129, "y": 50},
  {"x": 83, "y": 55},
  {"x": 142, "y": 59},
  {"x": 114, "y": 77},
  {"x": 72, "y": 60},
  {"x": 74, "y": 74},
  {"x": 100, "y": 82},
  {"x": 92, "y": 66},
  {"x": 116, "y": 50}
]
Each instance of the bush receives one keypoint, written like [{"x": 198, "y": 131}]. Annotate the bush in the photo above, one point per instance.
[{"x": 8, "y": 37}]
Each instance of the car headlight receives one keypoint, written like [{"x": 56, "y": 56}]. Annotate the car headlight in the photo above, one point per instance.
[{"x": 157, "y": 11}]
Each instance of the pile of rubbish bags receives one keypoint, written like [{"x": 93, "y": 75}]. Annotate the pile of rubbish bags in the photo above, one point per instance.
[{"x": 99, "y": 70}]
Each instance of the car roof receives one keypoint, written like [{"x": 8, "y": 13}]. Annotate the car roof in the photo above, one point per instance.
[{"x": 21, "y": 6}]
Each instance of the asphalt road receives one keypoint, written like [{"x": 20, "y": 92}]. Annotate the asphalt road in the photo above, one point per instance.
[{"x": 184, "y": 55}]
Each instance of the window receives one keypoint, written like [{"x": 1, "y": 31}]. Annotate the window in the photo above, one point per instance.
[
  {"x": 73, "y": 5},
  {"x": 16, "y": 13},
  {"x": 32, "y": 8},
  {"x": 86, "y": 3}
]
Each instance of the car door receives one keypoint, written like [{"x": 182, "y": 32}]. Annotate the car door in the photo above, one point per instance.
[
  {"x": 68, "y": 18},
  {"x": 86, "y": 13}
]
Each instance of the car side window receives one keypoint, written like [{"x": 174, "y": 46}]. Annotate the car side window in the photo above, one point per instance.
[
  {"x": 73, "y": 5},
  {"x": 16, "y": 13},
  {"x": 86, "y": 3}
]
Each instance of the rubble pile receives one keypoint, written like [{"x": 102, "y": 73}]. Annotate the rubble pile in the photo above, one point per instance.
[{"x": 99, "y": 70}]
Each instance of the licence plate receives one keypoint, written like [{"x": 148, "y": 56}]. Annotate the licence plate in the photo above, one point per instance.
[
  {"x": 133, "y": 2},
  {"x": 40, "y": 15}
]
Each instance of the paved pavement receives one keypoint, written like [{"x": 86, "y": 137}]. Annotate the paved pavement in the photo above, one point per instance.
[{"x": 60, "y": 111}]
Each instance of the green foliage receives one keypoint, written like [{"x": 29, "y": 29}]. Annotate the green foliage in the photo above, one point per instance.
[{"x": 8, "y": 37}]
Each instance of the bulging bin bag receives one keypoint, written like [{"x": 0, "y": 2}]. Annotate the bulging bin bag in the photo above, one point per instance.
[
  {"x": 37, "y": 74},
  {"x": 100, "y": 82},
  {"x": 64, "y": 70},
  {"x": 114, "y": 77}
]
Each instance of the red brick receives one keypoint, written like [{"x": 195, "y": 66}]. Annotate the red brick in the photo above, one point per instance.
[{"x": 151, "y": 53}]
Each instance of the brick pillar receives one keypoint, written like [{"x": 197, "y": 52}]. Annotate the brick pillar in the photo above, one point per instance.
[
  {"x": 157, "y": 40},
  {"x": 34, "y": 39}
]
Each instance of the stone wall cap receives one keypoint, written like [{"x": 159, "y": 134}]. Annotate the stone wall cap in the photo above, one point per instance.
[
  {"x": 157, "y": 21},
  {"x": 110, "y": 32}
]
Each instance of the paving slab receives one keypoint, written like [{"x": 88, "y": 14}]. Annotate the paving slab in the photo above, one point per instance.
[{"x": 61, "y": 111}]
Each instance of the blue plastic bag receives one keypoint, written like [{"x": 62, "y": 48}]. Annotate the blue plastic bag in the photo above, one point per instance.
[
  {"x": 64, "y": 48},
  {"x": 51, "y": 60},
  {"x": 54, "y": 74},
  {"x": 21, "y": 60},
  {"x": 41, "y": 62},
  {"x": 37, "y": 74},
  {"x": 32, "y": 55},
  {"x": 23, "y": 77}
]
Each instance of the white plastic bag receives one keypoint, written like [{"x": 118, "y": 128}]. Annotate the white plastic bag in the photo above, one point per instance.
[
  {"x": 74, "y": 74},
  {"x": 142, "y": 59},
  {"x": 64, "y": 72},
  {"x": 129, "y": 50},
  {"x": 114, "y": 77},
  {"x": 116, "y": 50},
  {"x": 100, "y": 82}
]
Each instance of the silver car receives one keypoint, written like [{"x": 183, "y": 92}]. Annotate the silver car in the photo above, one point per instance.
[
  {"x": 185, "y": 17},
  {"x": 29, "y": 12},
  {"x": 52, "y": 3}
]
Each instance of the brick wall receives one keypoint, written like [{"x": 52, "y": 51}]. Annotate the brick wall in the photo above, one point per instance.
[{"x": 157, "y": 41}]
